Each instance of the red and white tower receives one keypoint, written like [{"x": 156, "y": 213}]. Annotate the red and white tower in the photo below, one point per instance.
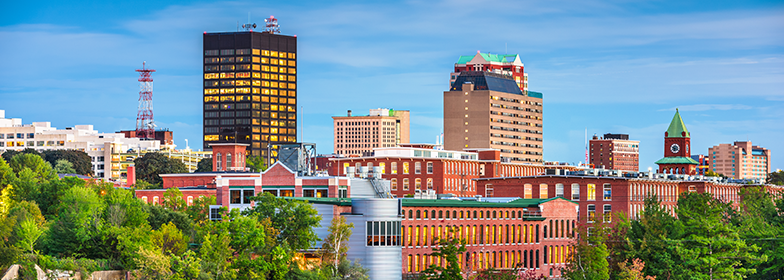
[{"x": 145, "y": 126}]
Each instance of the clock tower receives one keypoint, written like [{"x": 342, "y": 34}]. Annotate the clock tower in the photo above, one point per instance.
[{"x": 677, "y": 155}]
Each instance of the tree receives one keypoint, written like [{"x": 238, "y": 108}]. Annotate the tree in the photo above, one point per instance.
[
  {"x": 256, "y": 164},
  {"x": 64, "y": 167},
  {"x": 634, "y": 271},
  {"x": 28, "y": 235},
  {"x": 294, "y": 219},
  {"x": 186, "y": 266},
  {"x": 151, "y": 165},
  {"x": 78, "y": 224},
  {"x": 204, "y": 165},
  {"x": 215, "y": 254},
  {"x": 169, "y": 239},
  {"x": 449, "y": 249},
  {"x": 160, "y": 216},
  {"x": 335, "y": 246},
  {"x": 776, "y": 178},
  {"x": 710, "y": 173},
  {"x": 652, "y": 238},
  {"x": 153, "y": 265},
  {"x": 7, "y": 175},
  {"x": 711, "y": 247},
  {"x": 199, "y": 211},
  {"x": 589, "y": 259},
  {"x": 759, "y": 223},
  {"x": 172, "y": 200},
  {"x": 9, "y": 154},
  {"x": 82, "y": 163}
]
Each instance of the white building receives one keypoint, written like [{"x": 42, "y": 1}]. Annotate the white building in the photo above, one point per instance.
[{"x": 42, "y": 136}]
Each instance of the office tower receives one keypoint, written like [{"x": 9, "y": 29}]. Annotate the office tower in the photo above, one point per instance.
[
  {"x": 615, "y": 151},
  {"x": 741, "y": 160},
  {"x": 359, "y": 135},
  {"x": 505, "y": 64},
  {"x": 250, "y": 89},
  {"x": 490, "y": 110}
]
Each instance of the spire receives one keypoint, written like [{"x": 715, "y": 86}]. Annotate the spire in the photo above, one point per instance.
[{"x": 677, "y": 129}]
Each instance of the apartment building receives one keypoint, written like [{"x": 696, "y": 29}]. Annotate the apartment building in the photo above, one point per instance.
[
  {"x": 739, "y": 160},
  {"x": 359, "y": 135}
]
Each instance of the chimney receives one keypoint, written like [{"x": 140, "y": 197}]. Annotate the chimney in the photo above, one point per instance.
[
  {"x": 131, "y": 177},
  {"x": 349, "y": 113}
]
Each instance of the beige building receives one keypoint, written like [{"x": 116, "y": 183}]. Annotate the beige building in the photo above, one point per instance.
[
  {"x": 489, "y": 110},
  {"x": 359, "y": 135},
  {"x": 740, "y": 160}
]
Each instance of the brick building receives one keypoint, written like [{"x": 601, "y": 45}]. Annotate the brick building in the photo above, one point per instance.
[
  {"x": 420, "y": 167},
  {"x": 599, "y": 196},
  {"x": 615, "y": 151},
  {"x": 499, "y": 233},
  {"x": 677, "y": 149},
  {"x": 359, "y": 135},
  {"x": 485, "y": 110},
  {"x": 741, "y": 160}
]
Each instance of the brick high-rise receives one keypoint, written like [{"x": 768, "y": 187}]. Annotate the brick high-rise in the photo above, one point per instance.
[
  {"x": 250, "y": 89},
  {"x": 359, "y": 135},
  {"x": 615, "y": 151},
  {"x": 489, "y": 110}
]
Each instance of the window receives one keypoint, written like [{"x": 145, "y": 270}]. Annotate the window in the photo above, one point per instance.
[
  {"x": 405, "y": 168},
  {"x": 219, "y": 165},
  {"x": 235, "y": 196},
  {"x": 393, "y": 184},
  {"x": 383, "y": 233},
  {"x": 606, "y": 213},
  {"x": 418, "y": 184},
  {"x": 393, "y": 168},
  {"x": 607, "y": 192},
  {"x": 542, "y": 191},
  {"x": 417, "y": 168},
  {"x": 575, "y": 191},
  {"x": 405, "y": 184},
  {"x": 591, "y": 192},
  {"x": 229, "y": 164},
  {"x": 591, "y": 213},
  {"x": 215, "y": 212},
  {"x": 429, "y": 183},
  {"x": 559, "y": 190},
  {"x": 246, "y": 195},
  {"x": 528, "y": 191},
  {"x": 429, "y": 168}
]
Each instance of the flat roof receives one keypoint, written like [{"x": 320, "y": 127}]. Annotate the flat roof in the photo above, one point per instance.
[{"x": 410, "y": 202}]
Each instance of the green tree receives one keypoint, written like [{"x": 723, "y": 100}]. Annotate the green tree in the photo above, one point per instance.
[
  {"x": 9, "y": 154},
  {"x": 633, "y": 271},
  {"x": 335, "y": 246},
  {"x": 169, "y": 239},
  {"x": 123, "y": 209},
  {"x": 41, "y": 169},
  {"x": 159, "y": 216},
  {"x": 711, "y": 247},
  {"x": 199, "y": 211},
  {"x": 215, "y": 254},
  {"x": 64, "y": 167},
  {"x": 50, "y": 192},
  {"x": 151, "y": 165},
  {"x": 204, "y": 165},
  {"x": 760, "y": 224},
  {"x": 710, "y": 173},
  {"x": 78, "y": 225},
  {"x": 29, "y": 232},
  {"x": 653, "y": 237},
  {"x": 589, "y": 259},
  {"x": 153, "y": 265},
  {"x": 776, "y": 178},
  {"x": 172, "y": 200},
  {"x": 256, "y": 164},
  {"x": 7, "y": 175},
  {"x": 294, "y": 219},
  {"x": 449, "y": 249},
  {"x": 82, "y": 163},
  {"x": 186, "y": 266}
]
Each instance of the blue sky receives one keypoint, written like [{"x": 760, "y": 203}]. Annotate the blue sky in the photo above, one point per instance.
[{"x": 608, "y": 66}]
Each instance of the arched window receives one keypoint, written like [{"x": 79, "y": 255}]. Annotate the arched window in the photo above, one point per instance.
[
  {"x": 144, "y": 198},
  {"x": 418, "y": 215},
  {"x": 218, "y": 162},
  {"x": 433, "y": 214},
  {"x": 229, "y": 164}
]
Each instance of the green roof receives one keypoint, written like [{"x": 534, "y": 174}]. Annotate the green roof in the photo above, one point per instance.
[
  {"x": 535, "y": 94},
  {"x": 518, "y": 203},
  {"x": 500, "y": 58},
  {"x": 677, "y": 160},
  {"x": 677, "y": 127}
]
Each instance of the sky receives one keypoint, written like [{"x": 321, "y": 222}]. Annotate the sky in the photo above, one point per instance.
[{"x": 603, "y": 66}]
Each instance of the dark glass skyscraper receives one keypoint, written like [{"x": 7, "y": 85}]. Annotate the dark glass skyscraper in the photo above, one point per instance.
[{"x": 250, "y": 89}]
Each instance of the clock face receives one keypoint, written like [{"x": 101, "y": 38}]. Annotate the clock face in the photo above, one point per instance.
[{"x": 675, "y": 148}]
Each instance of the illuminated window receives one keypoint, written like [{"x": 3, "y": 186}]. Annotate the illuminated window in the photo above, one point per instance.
[
  {"x": 528, "y": 191},
  {"x": 393, "y": 168},
  {"x": 211, "y": 75},
  {"x": 405, "y": 184},
  {"x": 591, "y": 192},
  {"x": 405, "y": 168},
  {"x": 542, "y": 191},
  {"x": 393, "y": 184},
  {"x": 591, "y": 213},
  {"x": 227, "y": 75},
  {"x": 211, "y": 91},
  {"x": 211, "y": 137},
  {"x": 417, "y": 184},
  {"x": 606, "y": 213}
]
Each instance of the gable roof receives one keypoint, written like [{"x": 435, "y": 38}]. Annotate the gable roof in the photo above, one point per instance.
[
  {"x": 489, "y": 57},
  {"x": 677, "y": 129},
  {"x": 274, "y": 166}
]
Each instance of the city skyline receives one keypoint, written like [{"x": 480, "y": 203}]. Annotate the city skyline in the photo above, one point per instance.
[{"x": 610, "y": 67}]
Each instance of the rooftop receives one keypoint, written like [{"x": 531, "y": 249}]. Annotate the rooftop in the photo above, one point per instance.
[{"x": 487, "y": 81}]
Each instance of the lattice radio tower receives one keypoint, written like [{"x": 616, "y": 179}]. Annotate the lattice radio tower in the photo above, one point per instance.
[{"x": 145, "y": 126}]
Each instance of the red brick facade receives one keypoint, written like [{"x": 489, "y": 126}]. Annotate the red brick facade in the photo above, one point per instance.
[{"x": 496, "y": 237}]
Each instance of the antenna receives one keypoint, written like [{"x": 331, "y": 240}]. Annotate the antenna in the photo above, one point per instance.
[{"x": 271, "y": 25}]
